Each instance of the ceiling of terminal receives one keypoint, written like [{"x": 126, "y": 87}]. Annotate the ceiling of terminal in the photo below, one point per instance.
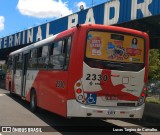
[{"x": 151, "y": 25}]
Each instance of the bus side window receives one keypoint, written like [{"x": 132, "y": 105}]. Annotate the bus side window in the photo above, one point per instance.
[
  {"x": 14, "y": 64},
  {"x": 10, "y": 63},
  {"x": 43, "y": 57},
  {"x": 39, "y": 56},
  {"x": 19, "y": 59},
  {"x": 51, "y": 48},
  {"x": 58, "y": 58},
  {"x": 29, "y": 60},
  {"x": 39, "y": 53},
  {"x": 69, "y": 40},
  {"x": 33, "y": 59}
]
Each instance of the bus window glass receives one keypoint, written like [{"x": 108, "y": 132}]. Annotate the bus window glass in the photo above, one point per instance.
[
  {"x": 115, "y": 51},
  {"x": 10, "y": 63},
  {"x": 57, "y": 60},
  {"x": 19, "y": 59},
  {"x": 14, "y": 64},
  {"x": 57, "y": 48},
  {"x": 43, "y": 57},
  {"x": 33, "y": 59},
  {"x": 68, "y": 52},
  {"x": 34, "y": 53},
  {"x": 39, "y": 52},
  {"x": 51, "y": 47},
  {"x": 45, "y": 51}
]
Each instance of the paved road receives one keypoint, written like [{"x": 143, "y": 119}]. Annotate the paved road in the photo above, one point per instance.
[{"x": 15, "y": 112}]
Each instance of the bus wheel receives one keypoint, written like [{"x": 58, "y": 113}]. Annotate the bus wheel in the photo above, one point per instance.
[{"x": 33, "y": 101}]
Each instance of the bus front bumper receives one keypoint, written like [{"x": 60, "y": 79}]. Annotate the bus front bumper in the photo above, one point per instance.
[{"x": 75, "y": 109}]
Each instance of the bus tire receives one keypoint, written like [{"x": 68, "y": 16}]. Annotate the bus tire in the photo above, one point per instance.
[{"x": 33, "y": 101}]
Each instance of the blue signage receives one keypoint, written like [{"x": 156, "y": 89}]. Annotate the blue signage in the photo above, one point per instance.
[
  {"x": 108, "y": 13},
  {"x": 91, "y": 98}
]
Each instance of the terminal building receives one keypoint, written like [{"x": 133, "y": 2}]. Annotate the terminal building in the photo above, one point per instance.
[{"x": 143, "y": 15}]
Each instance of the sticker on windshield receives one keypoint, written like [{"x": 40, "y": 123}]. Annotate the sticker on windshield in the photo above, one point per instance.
[
  {"x": 95, "y": 44},
  {"x": 117, "y": 52},
  {"x": 134, "y": 43}
]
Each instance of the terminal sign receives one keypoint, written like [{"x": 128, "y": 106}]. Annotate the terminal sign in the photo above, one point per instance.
[{"x": 112, "y": 12}]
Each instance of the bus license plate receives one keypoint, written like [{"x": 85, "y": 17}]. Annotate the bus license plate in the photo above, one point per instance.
[
  {"x": 110, "y": 112},
  {"x": 111, "y": 98}
]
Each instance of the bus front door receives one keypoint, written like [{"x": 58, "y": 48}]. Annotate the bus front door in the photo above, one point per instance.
[
  {"x": 17, "y": 75},
  {"x": 24, "y": 73}
]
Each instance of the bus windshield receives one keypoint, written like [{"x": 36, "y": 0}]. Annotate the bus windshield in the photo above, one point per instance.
[{"x": 109, "y": 50}]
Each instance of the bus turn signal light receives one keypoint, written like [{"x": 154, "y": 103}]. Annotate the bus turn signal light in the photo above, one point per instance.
[{"x": 78, "y": 84}]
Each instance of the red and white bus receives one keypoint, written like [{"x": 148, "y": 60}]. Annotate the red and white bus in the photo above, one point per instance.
[{"x": 87, "y": 71}]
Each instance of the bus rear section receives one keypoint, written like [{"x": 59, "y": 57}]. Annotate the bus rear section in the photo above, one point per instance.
[{"x": 114, "y": 74}]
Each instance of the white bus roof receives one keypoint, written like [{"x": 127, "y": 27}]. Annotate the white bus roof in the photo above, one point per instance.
[{"x": 34, "y": 45}]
